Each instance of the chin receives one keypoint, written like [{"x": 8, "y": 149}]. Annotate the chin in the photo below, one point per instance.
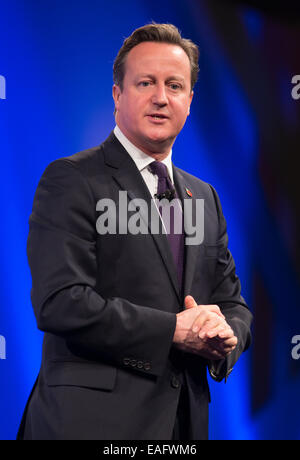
[
  {"x": 160, "y": 137},
  {"x": 160, "y": 143}
]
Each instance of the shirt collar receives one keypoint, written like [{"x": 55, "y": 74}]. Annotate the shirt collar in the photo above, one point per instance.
[{"x": 141, "y": 159}]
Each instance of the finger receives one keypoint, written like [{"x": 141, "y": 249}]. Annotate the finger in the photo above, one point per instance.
[
  {"x": 215, "y": 309},
  {"x": 210, "y": 325},
  {"x": 221, "y": 331},
  {"x": 226, "y": 333},
  {"x": 205, "y": 321},
  {"x": 199, "y": 321},
  {"x": 223, "y": 352},
  {"x": 232, "y": 342},
  {"x": 224, "y": 347},
  {"x": 227, "y": 341},
  {"x": 226, "y": 351},
  {"x": 189, "y": 302}
]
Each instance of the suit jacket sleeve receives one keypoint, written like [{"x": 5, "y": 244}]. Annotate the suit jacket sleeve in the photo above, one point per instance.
[
  {"x": 63, "y": 261},
  {"x": 227, "y": 295}
]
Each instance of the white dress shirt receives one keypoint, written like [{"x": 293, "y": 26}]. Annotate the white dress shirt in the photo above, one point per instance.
[{"x": 142, "y": 161}]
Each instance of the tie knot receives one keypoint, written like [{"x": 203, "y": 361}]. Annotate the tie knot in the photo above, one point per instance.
[{"x": 159, "y": 168}]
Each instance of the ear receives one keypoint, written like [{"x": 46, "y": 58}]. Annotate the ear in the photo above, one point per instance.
[
  {"x": 116, "y": 92},
  {"x": 191, "y": 98}
]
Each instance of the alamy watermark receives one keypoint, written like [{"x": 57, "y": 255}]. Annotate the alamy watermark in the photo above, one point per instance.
[
  {"x": 296, "y": 348},
  {"x": 135, "y": 217},
  {"x": 296, "y": 88},
  {"x": 2, "y": 87},
  {"x": 2, "y": 347}
]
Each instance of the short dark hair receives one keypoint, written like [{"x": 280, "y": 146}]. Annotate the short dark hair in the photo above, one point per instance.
[{"x": 162, "y": 33}]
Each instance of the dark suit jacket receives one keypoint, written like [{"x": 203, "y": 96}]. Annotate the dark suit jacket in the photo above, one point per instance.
[{"x": 108, "y": 304}]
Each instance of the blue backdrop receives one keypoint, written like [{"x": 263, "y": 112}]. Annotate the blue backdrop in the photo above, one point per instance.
[{"x": 242, "y": 136}]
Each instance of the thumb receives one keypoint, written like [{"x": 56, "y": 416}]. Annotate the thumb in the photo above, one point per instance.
[{"x": 189, "y": 302}]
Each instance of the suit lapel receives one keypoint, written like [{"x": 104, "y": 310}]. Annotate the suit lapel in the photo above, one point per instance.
[
  {"x": 129, "y": 179},
  {"x": 184, "y": 190}
]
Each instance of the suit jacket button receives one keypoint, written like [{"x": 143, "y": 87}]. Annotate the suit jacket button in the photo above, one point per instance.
[
  {"x": 175, "y": 383},
  {"x": 126, "y": 361},
  {"x": 133, "y": 362},
  {"x": 140, "y": 364},
  {"x": 147, "y": 366}
]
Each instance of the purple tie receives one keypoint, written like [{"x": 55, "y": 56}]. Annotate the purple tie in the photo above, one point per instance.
[{"x": 176, "y": 240}]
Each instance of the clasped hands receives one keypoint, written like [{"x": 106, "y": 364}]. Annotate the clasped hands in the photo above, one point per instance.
[{"x": 203, "y": 330}]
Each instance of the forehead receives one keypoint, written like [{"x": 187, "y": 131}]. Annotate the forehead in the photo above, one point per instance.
[{"x": 158, "y": 58}]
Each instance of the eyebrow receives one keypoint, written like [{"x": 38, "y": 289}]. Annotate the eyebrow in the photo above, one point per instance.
[{"x": 152, "y": 77}]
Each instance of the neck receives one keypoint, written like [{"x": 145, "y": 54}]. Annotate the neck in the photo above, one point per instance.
[
  {"x": 156, "y": 150},
  {"x": 157, "y": 156}
]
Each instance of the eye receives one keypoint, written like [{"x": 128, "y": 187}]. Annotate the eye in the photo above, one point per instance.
[
  {"x": 175, "y": 86},
  {"x": 144, "y": 83}
]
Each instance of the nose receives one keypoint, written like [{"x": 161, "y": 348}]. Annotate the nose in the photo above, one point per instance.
[{"x": 159, "y": 96}]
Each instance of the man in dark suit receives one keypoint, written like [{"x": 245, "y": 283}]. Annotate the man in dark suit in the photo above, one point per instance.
[{"x": 132, "y": 319}]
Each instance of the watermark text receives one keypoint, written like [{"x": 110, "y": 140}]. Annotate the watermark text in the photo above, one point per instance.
[
  {"x": 2, "y": 347},
  {"x": 2, "y": 87},
  {"x": 296, "y": 88},
  {"x": 296, "y": 348},
  {"x": 136, "y": 217}
]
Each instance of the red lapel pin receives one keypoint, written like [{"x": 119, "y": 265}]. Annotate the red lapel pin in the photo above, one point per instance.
[{"x": 188, "y": 192}]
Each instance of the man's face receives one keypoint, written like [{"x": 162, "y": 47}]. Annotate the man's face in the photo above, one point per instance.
[{"x": 154, "y": 103}]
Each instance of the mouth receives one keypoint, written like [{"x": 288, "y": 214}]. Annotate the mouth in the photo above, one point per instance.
[{"x": 157, "y": 117}]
